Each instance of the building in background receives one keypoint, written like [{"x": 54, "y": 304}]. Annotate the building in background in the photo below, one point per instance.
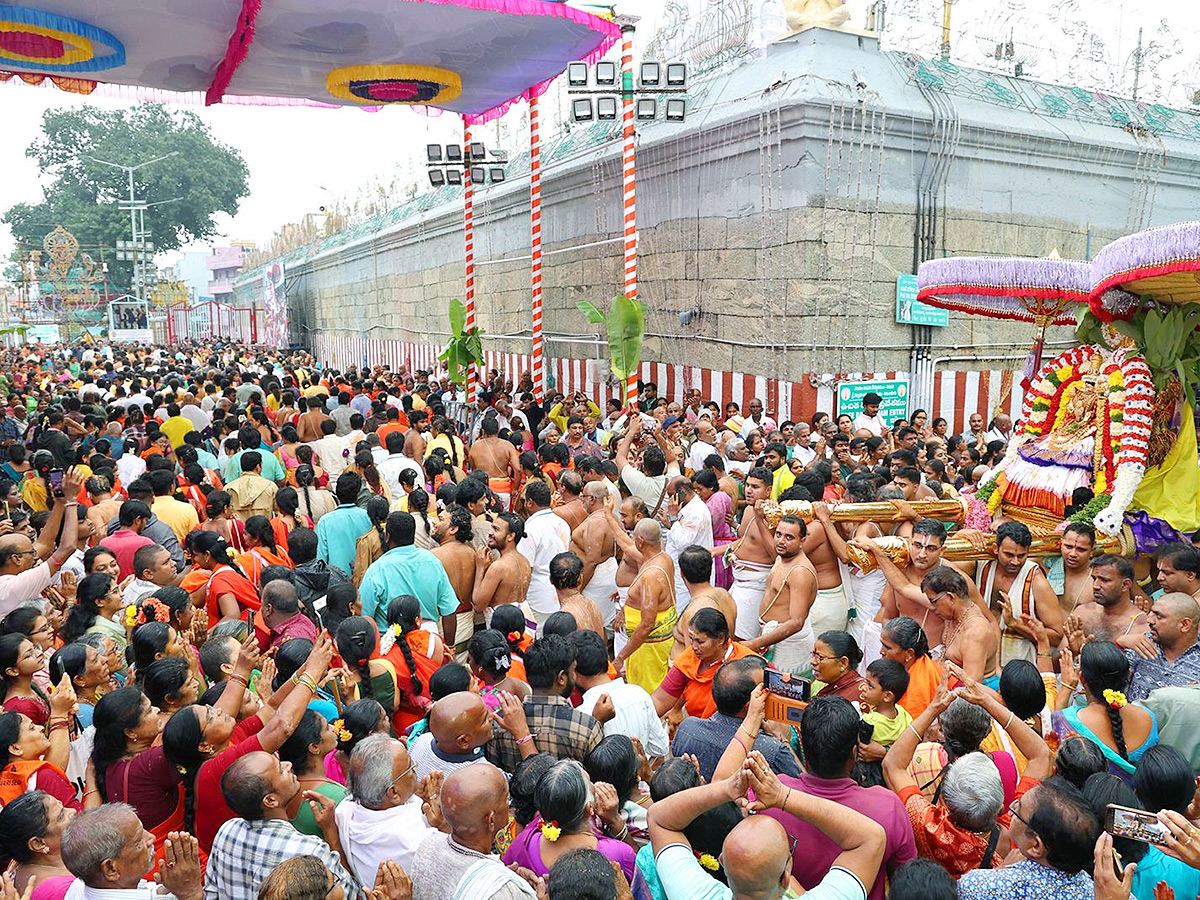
[
  {"x": 192, "y": 270},
  {"x": 224, "y": 265}
]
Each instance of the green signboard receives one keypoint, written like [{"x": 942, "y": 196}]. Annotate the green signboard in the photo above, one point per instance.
[
  {"x": 894, "y": 394},
  {"x": 910, "y": 310}
]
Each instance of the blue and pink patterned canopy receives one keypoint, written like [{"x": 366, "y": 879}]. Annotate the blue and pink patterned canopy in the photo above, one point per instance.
[{"x": 472, "y": 57}]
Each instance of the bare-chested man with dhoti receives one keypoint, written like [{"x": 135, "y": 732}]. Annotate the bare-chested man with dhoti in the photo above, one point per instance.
[
  {"x": 903, "y": 595},
  {"x": 971, "y": 639},
  {"x": 1014, "y": 585},
  {"x": 629, "y": 560},
  {"x": 1075, "y": 550},
  {"x": 506, "y": 578},
  {"x": 650, "y": 612},
  {"x": 753, "y": 554},
  {"x": 497, "y": 457},
  {"x": 787, "y": 635},
  {"x": 570, "y": 499},
  {"x": 696, "y": 568},
  {"x": 592, "y": 541},
  {"x": 456, "y": 553},
  {"x": 1111, "y": 615},
  {"x": 565, "y": 571},
  {"x": 831, "y": 607}
]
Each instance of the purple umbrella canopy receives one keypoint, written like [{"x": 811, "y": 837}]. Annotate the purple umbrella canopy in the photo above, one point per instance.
[
  {"x": 1024, "y": 289},
  {"x": 471, "y": 57},
  {"x": 1160, "y": 263}
]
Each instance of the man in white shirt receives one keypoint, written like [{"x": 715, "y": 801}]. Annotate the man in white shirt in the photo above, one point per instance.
[
  {"x": 383, "y": 818},
  {"x": 737, "y": 456},
  {"x": 803, "y": 449},
  {"x": 395, "y": 463},
  {"x": 1001, "y": 429},
  {"x": 869, "y": 419},
  {"x": 193, "y": 413},
  {"x": 703, "y": 446},
  {"x": 757, "y": 420},
  {"x": 546, "y": 536},
  {"x": 692, "y": 525},
  {"x": 21, "y": 575},
  {"x": 621, "y": 707},
  {"x": 649, "y": 483}
]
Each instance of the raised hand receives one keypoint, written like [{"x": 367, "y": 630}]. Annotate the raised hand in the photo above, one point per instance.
[
  {"x": 322, "y": 810},
  {"x": 318, "y": 660},
  {"x": 608, "y": 806},
  {"x": 249, "y": 655},
  {"x": 1108, "y": 885},
  {"x": 604, "y": 710},
  {"x": 769, "y": 792},
  {"x": 970, "y": 689},
  {"x": 391, "y": 882},
  {"x": 1068, "y": 673},
  {"x": 180, "y": 873},
  {"x": 68, "y": 582},
  {"x": 62, "y": 701}
]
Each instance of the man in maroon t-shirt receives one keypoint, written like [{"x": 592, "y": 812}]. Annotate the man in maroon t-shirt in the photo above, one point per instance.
[{"x": 829, "y": 736}]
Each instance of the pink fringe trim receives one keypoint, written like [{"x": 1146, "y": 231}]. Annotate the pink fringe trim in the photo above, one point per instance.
[{"x": 235, "y": 53}]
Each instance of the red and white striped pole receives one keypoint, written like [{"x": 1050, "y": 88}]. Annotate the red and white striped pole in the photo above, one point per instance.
[
  {"x": 469, "y": 229},
  {"x": 629, "y": 185},
  {"x": 535, "y": 202}
]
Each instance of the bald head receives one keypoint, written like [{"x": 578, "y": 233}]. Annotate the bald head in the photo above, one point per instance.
[
  {"x": 14, "y": 553},
  {"x": 459, "y": 722},
  {"x": 757, "y": 857},
  {"x": 648, "y": 531},
  {"x": 680, "y": 485},
  {"x": 1173, "y": 620},
  {"x": 595, "y": 491},
  {"x": 475, "y": 804}
]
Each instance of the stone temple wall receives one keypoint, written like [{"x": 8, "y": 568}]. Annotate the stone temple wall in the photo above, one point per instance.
[{"x": 784, "y": 218}]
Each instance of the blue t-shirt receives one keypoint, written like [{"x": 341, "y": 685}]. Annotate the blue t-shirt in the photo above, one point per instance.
[{"x": 1156, "y": 866}]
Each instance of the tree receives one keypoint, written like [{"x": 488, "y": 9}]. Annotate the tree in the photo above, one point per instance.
[
  {"x": 465, "y": 347},
  {"x": 625, "y": 324},
  {"x": 206, "y": 176}
]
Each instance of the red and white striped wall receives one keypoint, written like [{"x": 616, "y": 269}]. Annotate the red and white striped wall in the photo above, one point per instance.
[{"x": 956, "y": 394}]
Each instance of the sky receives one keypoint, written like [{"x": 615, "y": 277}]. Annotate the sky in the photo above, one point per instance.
[{"x": 302, "y": 159}]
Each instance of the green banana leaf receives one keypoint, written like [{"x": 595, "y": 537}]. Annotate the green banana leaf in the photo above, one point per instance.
[
  {"x": 464, "y": 348},
  {"x": 626, "y": 326}
]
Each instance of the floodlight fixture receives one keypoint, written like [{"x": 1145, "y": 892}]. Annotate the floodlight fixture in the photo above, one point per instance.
[
  {"x": 651, "y": 74},
  {"x": 676, "y": 75},
  {"x": 478, "y": 175},
  {"x": 577, "y": 74},
  {"x": 454, "y": 153},
  {"x": 478, "y": 151},
  {"x": 437, "y": 177},
  {"x": 647, "y": 109},
  {"x": 676, "y": 109},
  {"x": 497, "y": 174},
  {"x": 606, "y": 109},
  {"x": 454, "y": 176},
  {"x": 434, "y": 152},
  {"x": 606, "y": 74},
  {"x": 581, "y": 109}
]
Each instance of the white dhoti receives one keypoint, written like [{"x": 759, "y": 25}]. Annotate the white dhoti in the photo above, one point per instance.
[
  {"x": 793, "y": 654},
  {"x": 749, "y": 585},
  {"x": 620, "y": 639},
  {"x": 871, "y": 644},
  {"x": 601, "y": 588},
  {"x": 830, "y": 611}
]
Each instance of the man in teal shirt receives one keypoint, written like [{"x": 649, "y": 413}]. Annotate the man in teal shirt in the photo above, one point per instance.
[
  {"x": 250, "y": 439},
  {"x": 406, "y": 569},
  {"x": 339, "y": 529}
]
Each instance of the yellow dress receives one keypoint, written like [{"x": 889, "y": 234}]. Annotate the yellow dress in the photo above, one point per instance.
[{"x": 647, "y": 665}]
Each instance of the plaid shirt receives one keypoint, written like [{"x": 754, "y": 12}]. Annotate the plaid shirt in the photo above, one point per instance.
[
  {"x": 1151, "y": 674},
  {"x": 244, "y": 853},
  {"x": 10, "y": 430},
  {"x": 557, "y": 728}
]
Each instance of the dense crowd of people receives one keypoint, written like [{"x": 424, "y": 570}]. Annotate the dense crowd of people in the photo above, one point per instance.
[{"x": 273, "y": 630}]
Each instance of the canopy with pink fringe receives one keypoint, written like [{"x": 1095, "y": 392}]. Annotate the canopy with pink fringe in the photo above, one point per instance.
[{"x": 472, "y": 57}]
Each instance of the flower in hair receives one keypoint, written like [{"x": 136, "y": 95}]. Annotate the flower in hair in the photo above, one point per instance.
[
  {"x": 551, "y": 831},
  {"x": 515, "y": 636},
  {"x": 397, "y": 630},
  {"x": 710, "y": 862},
  {"x": 131, "y": 615},
  {"x": 339, "y": 729},
  {"x": 1115, "y": 699},
  {"x": 161, "y": 612}
]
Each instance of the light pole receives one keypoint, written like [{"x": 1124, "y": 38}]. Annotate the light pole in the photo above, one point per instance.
[{"x": 139, "y": 240}]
